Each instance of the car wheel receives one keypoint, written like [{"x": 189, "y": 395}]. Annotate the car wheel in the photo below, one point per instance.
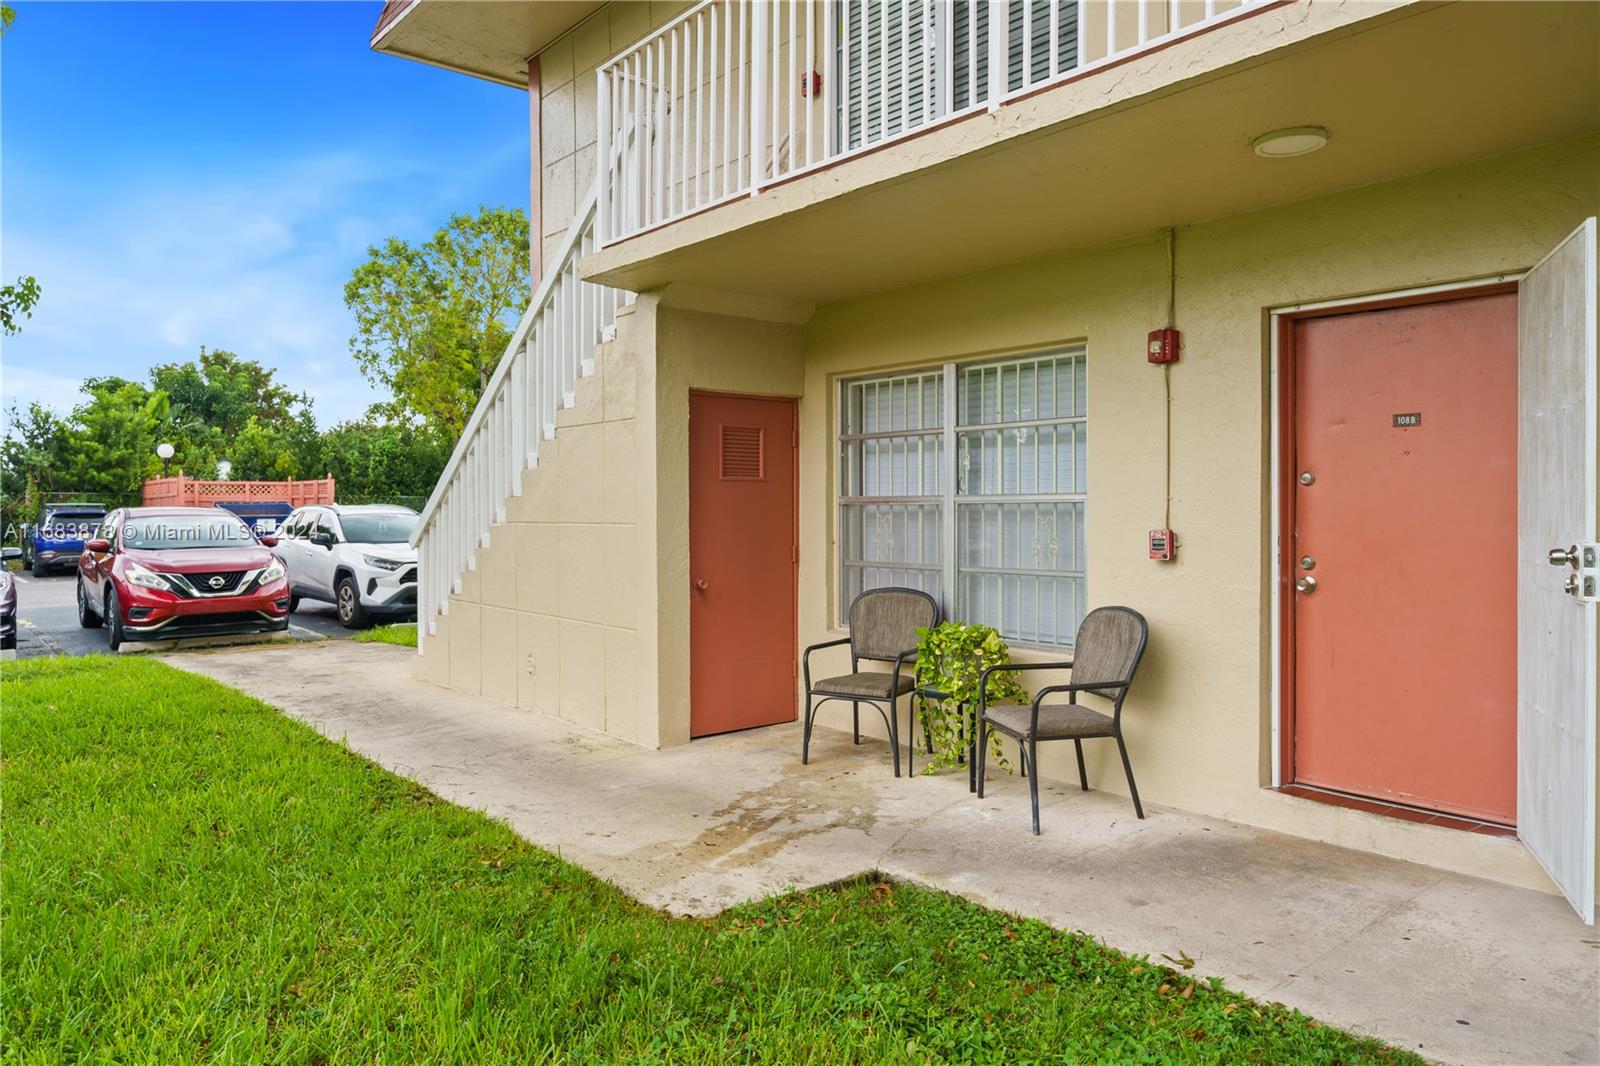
[
  {"x": 113, "y": 620},
  {"x": 351, "y": 614},
  {"x": 8, "y": 643},
  {"x": 38, "y": 567},
  {"x": 294, "y": 603},
  {"x": 86, "y": 617}
]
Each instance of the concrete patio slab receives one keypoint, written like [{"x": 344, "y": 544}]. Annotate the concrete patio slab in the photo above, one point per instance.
[{"x": 1456, "y": 968}]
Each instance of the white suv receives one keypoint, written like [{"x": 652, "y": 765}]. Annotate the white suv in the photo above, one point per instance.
[{"x": 356, "y": 558}]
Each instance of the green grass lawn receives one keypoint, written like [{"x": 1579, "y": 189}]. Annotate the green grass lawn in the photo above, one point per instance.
[
  {"x": 402, "y": 633},
  {"x": 189, "y": 875}
]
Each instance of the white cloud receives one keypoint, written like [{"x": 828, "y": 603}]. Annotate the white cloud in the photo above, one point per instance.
[{"x": 255, "y": 263}]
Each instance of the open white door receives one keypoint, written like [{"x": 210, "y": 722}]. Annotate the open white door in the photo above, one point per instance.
[{"x": 1557, "y": 568}]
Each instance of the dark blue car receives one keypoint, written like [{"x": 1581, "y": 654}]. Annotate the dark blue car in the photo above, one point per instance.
[{"x": 56, "y": 540}]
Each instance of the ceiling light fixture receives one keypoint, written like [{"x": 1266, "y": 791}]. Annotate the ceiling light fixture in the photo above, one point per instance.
[{"x": 1296, "y": 140}]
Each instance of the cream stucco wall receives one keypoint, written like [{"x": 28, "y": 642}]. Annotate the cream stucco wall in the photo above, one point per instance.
[
  {"x": 567, "y": 93},
  {"x": 550, "y": 620},
  {"x": 1199, "y": 719},
  {"x": 559, "y": 615},
  {"x": 716, "y": 353}
]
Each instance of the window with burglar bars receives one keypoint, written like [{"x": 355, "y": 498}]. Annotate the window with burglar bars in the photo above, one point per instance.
[{"x": 968, "y": 481}]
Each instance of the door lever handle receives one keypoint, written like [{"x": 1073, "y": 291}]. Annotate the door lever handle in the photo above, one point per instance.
[{"x": 702, "y": 584}]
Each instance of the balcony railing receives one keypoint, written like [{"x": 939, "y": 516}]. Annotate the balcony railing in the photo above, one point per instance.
[{"x": 734, "y": 95}]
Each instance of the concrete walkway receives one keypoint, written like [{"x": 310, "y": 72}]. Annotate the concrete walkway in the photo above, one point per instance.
[{"x": 1456, "y": 968}]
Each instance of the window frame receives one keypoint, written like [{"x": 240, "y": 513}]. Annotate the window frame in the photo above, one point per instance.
[{"x": 950, "y": 499}]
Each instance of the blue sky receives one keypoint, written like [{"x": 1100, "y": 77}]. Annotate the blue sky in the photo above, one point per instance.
[{"x": 179, "y": 174}]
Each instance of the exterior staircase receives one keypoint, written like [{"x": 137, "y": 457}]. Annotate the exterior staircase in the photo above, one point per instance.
[{"x": 553, "y": 346}]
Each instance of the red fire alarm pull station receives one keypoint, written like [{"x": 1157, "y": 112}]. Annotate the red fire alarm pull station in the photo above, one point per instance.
[
  {"x": 1163, "y": 346},
  {"x": 1163, "y": 545},
  {"x": 811, "y": 84}
]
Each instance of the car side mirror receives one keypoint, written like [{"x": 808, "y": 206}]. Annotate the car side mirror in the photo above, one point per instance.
[
  {"x": 98, "y": 544},
  {"x": 11, "y": 553},
  {"x": 323, "y": 538},
  {"x": 269, "y": 541}
]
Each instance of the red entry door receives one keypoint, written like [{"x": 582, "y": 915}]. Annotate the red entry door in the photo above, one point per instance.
[
  {"x": 742, "y": 553},
  {"x": 1401, "y": 559}
]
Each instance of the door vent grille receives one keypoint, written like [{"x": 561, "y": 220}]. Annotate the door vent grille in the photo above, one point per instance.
[{"x": 743, "y": 450}]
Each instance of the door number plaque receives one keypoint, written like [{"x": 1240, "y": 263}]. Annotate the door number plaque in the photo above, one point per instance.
[{"x": 1407, "y": 420}]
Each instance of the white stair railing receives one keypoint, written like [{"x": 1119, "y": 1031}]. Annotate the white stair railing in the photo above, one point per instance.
[{"x": 552, "y": 347}]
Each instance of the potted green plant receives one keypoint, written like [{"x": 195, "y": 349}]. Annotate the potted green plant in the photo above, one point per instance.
[{"x": 951, "y": 657}]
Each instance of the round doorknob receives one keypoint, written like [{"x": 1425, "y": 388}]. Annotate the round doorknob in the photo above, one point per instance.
[
  {"x": 1307, "y": 478},
  {"x": 1306, "y": 584},
  {"x": 702, "y": 584}
]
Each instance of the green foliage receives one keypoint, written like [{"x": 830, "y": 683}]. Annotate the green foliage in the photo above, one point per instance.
[
  {"x": 190, "y": 876},
  {"x": 378, "y": 461},
  {"x": 432, "y": 320},
  {"x": 223, "y": 392},
  {"x": 18, "y": 301},
  {"x": 113, "y": 438},
  {"x": 951, "y": 657},
  {"x": 217, "y": 406}
]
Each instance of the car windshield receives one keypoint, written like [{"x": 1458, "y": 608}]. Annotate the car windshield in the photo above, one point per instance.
[
  {"x": 383, "y": 527},
  {"x": 74, "y": 519},
  {"x": 159, "y": 532}
]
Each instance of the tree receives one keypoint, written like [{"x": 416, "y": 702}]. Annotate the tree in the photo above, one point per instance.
[
  {"x": 34, "y": 449},
  {"x": 112, "y": 440},
  {"x": 19, "y": 300},
  {"x": 224, "y": 406},
  {"x": 377, "y": 461},
  {"x": 433, "y": 320},
  {"x": 224, "y": 392}
]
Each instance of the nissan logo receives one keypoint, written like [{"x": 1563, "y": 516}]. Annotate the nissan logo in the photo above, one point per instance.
[{"x": 217, "y": 581}]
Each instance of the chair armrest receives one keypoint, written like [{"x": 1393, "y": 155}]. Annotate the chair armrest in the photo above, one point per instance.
[
  {"x": 1078, "y": 686},
  {"x": 805, "y": 656},
  {"x": 983, "y": 678}
]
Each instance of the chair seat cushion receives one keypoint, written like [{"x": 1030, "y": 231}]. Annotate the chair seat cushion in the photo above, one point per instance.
[
  {"x": 868, "y": 685},
  {"x": 1060, "y": 720}
]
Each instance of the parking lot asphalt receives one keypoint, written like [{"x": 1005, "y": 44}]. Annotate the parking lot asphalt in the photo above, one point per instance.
[{"x": 47, "y": 622}]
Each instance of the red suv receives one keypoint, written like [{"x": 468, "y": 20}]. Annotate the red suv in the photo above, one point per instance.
[{"x": 158, "y": 573}]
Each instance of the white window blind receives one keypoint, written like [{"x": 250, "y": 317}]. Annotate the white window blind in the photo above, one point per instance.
[
  {"x": 902, "y": 63},
  {"x": 969, "y": 482}
]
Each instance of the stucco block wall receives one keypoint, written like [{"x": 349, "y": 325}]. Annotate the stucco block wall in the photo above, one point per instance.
[
  {"x": 580, "y": 605},
  {"x": 558, "y": 615},
  {"x": 717, "y": 353},
  {"x": 567, "y": 105},
  {"x": 1199, "y": 718}
]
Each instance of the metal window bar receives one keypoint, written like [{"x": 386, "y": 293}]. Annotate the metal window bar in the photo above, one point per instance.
[{"x": 1009, "y": 538}]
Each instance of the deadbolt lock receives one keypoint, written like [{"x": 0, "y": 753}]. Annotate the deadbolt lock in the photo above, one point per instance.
[
  {"x": 1307, "y": 562},
  {"x": 1583, "y": 580},
  {"x": 1306, "y": 584},
  {"x": 1307, "y": 478}
]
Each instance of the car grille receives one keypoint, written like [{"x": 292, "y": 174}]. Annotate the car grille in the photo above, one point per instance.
[
  {"x": 203, "y": 625},
  {"x": 212, "y": 582}
]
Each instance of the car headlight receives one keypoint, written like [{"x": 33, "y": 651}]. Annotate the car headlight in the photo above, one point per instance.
[
  {"x": 272, "y": 573},
  {"x": 381, "y": 564},
  {"x": 5, "y": 580},
  {"x": 138, "y": 575}
]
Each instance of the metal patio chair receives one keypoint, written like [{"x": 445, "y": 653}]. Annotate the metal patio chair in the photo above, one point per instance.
[
  {"x": 883, "y": 628},
  {"x": 1106, "y": 655}
]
